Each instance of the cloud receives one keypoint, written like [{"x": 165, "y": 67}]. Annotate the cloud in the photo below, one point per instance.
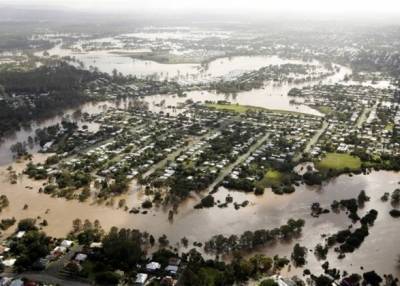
[{"x": 326, "y": 6}]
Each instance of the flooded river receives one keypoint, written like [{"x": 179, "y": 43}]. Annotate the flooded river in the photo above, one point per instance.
[
  {"x": 6, "y": 157},
  {"x": 267, "y": 211},
  {"x": 127, "y": 64}
]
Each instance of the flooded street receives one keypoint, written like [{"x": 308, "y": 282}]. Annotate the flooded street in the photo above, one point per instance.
[{"x": 267, "y": 211}]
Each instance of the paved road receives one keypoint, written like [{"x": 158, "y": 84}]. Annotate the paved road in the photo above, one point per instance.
[
  {"x": 238, "y": 161},
  {"x": 173, "y": 155},
  {"x": 46, "y": 278},
  {"x": 55, "y": 267},
  {"x": 312, "y": 141},
  {"x": 363, "y": 117}
]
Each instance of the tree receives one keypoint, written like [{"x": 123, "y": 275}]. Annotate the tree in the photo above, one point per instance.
[
  {"x": 147, "y": 204},
  {"x": 27, "y": 224},
  {"x": 32, "y": 246},
  {"x": 280, "y": 262},
  {"x": 269, "y": 282},
  {"x": 261, "y": 263},
  {"x": 371, "y": 278},
  {"x": 89, "y": 235},
  {"x": 121, "y": 203},
  {"x": 116, "y": 244},
  {"x": 163, "y": 255},
  {"x": 243, "y": 269},
  {"x": 2, "y": 90},
  {"x": 163, "y": 240},
  {"x": 107, "y": 278},
  {"x": 206, "y": 202},
  {"x": 299, "y": 255},
  {"x": 19, "y": 149},
  {"x": 321, "y": 251},
  {"x": 152, "y": 240},
  {"x": 322, "y": 280},
  {"x": 362, "y": 198},
  {"x": 85, "y": 194},
  {"x": 395, "y": 213},
  {"x": 369, "y": 218},
  {"x": 76, "y": 225},
  {"x": 185, "y": 242},
  {"x": 396, "y": 197}
]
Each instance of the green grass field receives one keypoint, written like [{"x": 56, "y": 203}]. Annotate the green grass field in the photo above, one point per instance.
[
  {"x": 339, "y": 162},
  {"x": 389, "y": 127},
  {"x": 231, "y": 107},
  {"x": 324, "y": 109},
  {"x": 271, "y": 178},
  {"x": 244, "y": 108},
  {"x": 209, "y": 274}
]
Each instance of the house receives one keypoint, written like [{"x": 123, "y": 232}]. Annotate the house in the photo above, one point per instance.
[
  {"x": 81, "y": 257},
  {"x": 58, "y": 251},
  {"x": 9, "y": 262},
  {"x": 20, "y": 234},
  {"x": 66, "y": 243},
  {"x": 171, "y": 269},
  {"x": 283, "y": 281},
  {"x": 96, "y": 245},
  {"x": 153, "y": 266},
  {"x": 174, "y": 261},
  {"x": 4, "y": 281},
  {"x": 17, "y": 282},
  {"x": 141, "y": 279}
]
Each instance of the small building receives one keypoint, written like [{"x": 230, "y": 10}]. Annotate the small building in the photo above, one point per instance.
[
  {"x": 171, "y": 269},
  {"x": 96, "y": 245},
  {"x": 66, "y": 243},
  {"x": 80, "y": 257},
  {"x": 141, "y": 279},
  {"x": 20, "y": 234},
  {"x": 153, "y": 266}
]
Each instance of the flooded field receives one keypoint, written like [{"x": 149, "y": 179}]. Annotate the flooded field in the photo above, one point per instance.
[
  {"x": 267, "y": 211},
  {"x": 6, "y": 157},
  {"x": 109, "y": 60}
]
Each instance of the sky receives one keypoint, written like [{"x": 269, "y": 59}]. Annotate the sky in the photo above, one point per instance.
[{"x": 307, "y": 6}]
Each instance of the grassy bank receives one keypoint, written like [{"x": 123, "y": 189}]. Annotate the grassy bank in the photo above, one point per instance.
[
  {"x": 339, "y": 162},
  {"x": 245, "y": 108}
]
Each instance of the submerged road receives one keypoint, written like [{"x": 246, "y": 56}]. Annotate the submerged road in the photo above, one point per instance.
[
  {"x": 363, "y": 117},
  {"x": 238, "y": 161},
  {"x": 173, "y": 155},
  {"x": 313, "y": 140}
]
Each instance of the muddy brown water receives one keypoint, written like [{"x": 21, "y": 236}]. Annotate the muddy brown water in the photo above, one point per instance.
[{"x": 379, "y": 251}]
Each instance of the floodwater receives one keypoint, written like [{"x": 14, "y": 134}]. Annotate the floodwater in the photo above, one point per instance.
[
  {"x": 177, "y": 33},
  {"x": 272, "y": 96},
  {"x": 107, "y": 61},
  {"x": 379, "y": 251},
  {"x": 6, "y": 157}
]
